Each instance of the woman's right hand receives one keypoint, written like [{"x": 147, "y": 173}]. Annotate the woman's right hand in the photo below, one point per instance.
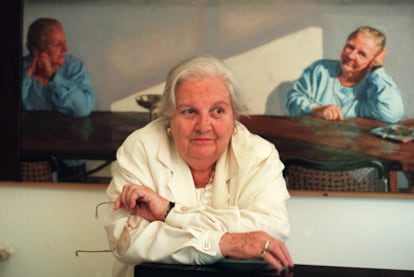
[
  {"x": 142, "y": 201},
  {"x": 329, "y": 112},
  {"x": 250, "y": 245},
  {"x": 31, "y": 67},
  {"x": 40, "y": 65}
]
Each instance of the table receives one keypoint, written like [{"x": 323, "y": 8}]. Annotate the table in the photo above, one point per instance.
[
  {"x": 98, "y": 136},
  {"x": 317, "y": 138},
  {"x": 350, "y": 139},
  {"x": 218, "y": 270},
  {"x": 95, "y": 137}
]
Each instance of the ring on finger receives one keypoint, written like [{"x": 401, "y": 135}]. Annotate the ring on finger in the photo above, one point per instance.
[{"x": 266, "y": 246}]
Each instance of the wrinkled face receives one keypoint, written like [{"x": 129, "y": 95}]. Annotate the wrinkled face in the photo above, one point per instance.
[
  {"x": 55, "y": 47},
  {"x": 357, "y": 55},
  {"x": 203, "y": 122}
]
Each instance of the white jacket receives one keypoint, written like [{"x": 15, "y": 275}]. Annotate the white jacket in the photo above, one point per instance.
[{"x": 249, "y": 194}]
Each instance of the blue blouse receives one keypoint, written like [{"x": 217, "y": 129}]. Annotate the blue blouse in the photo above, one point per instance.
[
  {"x": 70, "y": 92},
  {"x": 375, "y": 96}
]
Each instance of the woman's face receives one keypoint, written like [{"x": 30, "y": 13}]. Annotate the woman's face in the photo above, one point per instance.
[
  {"x": 358, "y": 54},
  {"x": 55, "y": 47},
  {"x": 203, "y": 122}
]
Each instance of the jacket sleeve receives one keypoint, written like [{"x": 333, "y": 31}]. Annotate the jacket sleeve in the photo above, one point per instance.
[
  {"x": 383, "y": 98},
  {"x": 299, "y": 100},
  {"x": 73, "y": 92}
]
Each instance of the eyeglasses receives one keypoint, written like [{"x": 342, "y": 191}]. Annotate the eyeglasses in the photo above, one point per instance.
[
  {"x": 96, "y": 216},
  {"x": 124, "y": 239}
]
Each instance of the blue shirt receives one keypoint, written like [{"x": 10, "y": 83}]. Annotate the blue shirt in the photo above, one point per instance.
[
  {"x": 69, "y": 92},
  {"x": 375, "y": 96}
]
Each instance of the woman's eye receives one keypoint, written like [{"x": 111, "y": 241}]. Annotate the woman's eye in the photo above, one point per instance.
[
  {"x": 361, "y": 54},
  {"x": 188, "y": 111},
  {"x": 218, "y": 110},
  {"x": 58, "y": 45},
  {"x": 349, "y": 47}
]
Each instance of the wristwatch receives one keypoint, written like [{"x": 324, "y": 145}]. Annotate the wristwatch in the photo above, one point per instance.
[{"x": 170, "y": 207}]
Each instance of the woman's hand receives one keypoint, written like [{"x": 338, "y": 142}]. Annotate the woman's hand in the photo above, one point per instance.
[
  {"x": 40, "y": 65},
  {"x": 251, "y": 245},
  {"x": 329, "y": 112},
  {"x": 142, "y": 201},
  {"x": 31, "y": 67},
  {"x": 378, "y": 60}
]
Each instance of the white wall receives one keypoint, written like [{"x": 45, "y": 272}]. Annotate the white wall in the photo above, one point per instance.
[
  {"x": 357, "y": 232},
  {"x": 46, "y": 226}
]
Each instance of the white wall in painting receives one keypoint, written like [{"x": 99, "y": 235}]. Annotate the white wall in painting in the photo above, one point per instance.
[{"x": 262, "y": 71}]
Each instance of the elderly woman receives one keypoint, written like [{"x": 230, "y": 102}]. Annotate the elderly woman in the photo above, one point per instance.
[
  {"x": 355, "y": 86},
  {"x": 195, "y": 186},
  {"x": 54, "y": 80}
]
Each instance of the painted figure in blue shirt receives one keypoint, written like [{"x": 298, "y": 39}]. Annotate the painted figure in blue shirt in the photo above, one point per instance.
[
  {"x": 52, "y": 79},
  {"x": 355, "y": 86},
  {"x": 56, "y": 81}
]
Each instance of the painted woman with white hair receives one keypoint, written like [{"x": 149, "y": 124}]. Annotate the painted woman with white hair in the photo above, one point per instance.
[{"x": 356, "y": 85}]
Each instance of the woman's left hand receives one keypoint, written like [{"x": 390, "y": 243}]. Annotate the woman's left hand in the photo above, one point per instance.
[
  {"x": 142, "y": 201},
  {"x": 378, "y": 60},
  {"x": 253, "y": 245}
]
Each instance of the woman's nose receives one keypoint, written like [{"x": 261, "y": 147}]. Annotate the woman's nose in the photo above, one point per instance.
[
  {"x": 352, "y": 54},
  {"x": 204, "y": 123}
]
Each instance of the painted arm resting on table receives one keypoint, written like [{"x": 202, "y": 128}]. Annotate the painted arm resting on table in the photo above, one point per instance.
[
  {"x": 383, "y": 99},
  {"x": 69, "y": 91}
]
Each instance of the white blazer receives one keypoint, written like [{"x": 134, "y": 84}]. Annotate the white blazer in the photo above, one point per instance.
[{"x": 249, "y": 194}]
